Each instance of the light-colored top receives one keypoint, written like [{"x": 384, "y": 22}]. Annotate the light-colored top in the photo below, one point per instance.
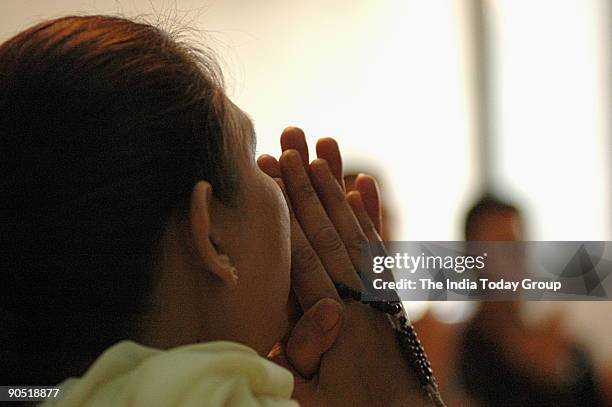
[{"x": 208, "y": 374}]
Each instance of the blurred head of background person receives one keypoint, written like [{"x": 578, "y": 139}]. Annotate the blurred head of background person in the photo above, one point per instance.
[
  {"x": 491, "y": 219},
  {"x": 505, "y": 362}
]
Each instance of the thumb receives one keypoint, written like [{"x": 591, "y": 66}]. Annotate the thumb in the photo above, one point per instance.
[{"x": 313, "y": 335}]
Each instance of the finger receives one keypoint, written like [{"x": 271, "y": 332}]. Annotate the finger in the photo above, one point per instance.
[
  {"x": 327, "y": 149},
  {"x": 269, "y": 165},
  {"x": 294, "y": 138},
  {"x": 315, "y": 223},
  {"x": 355, "y": 200},
  {"x": 376, "y": 246},
  {"x": 309, "y": 280},
  {"x": 370, "y": 195},
  {"x": 304, "y": 388},
  {"x": 338, "y": 210},
  {"x": 313, "y": 335}
]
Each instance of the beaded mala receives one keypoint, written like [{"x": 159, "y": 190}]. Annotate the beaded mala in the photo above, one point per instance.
[{"x": 406, "y": 337}]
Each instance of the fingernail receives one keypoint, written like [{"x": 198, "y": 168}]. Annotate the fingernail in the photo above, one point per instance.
[{"x": 327, "y": 315}]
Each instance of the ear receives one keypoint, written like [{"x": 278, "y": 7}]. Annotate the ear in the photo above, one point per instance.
[{"x": 199, "y": 216}]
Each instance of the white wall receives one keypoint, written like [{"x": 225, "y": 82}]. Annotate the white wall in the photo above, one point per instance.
[{"x": 553, "y": 114}]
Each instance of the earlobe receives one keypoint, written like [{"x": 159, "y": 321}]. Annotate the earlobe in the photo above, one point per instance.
[{"x": 218, "y": 264}]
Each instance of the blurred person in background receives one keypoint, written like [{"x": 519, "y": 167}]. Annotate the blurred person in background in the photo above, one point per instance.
[{"x": 505, "y": 362}]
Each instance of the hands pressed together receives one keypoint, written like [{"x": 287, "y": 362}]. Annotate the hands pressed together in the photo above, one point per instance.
[{"x": 341, "y": 354}]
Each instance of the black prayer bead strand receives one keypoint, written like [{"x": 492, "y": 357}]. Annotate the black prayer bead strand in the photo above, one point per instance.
[{"x": 406, "y": 337}]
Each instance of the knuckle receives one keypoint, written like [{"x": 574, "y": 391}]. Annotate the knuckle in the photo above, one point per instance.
[
  {"x": 305, "y": 189},
  {"x": 326, "y": 239}
]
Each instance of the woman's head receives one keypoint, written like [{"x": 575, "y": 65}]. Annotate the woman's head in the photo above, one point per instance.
[{"x": 130, "y": 195}]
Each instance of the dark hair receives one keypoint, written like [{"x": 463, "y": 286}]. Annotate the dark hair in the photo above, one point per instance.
[
  {"x": 487, "y": 204},
  {"x": 105, "y": 126}
]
